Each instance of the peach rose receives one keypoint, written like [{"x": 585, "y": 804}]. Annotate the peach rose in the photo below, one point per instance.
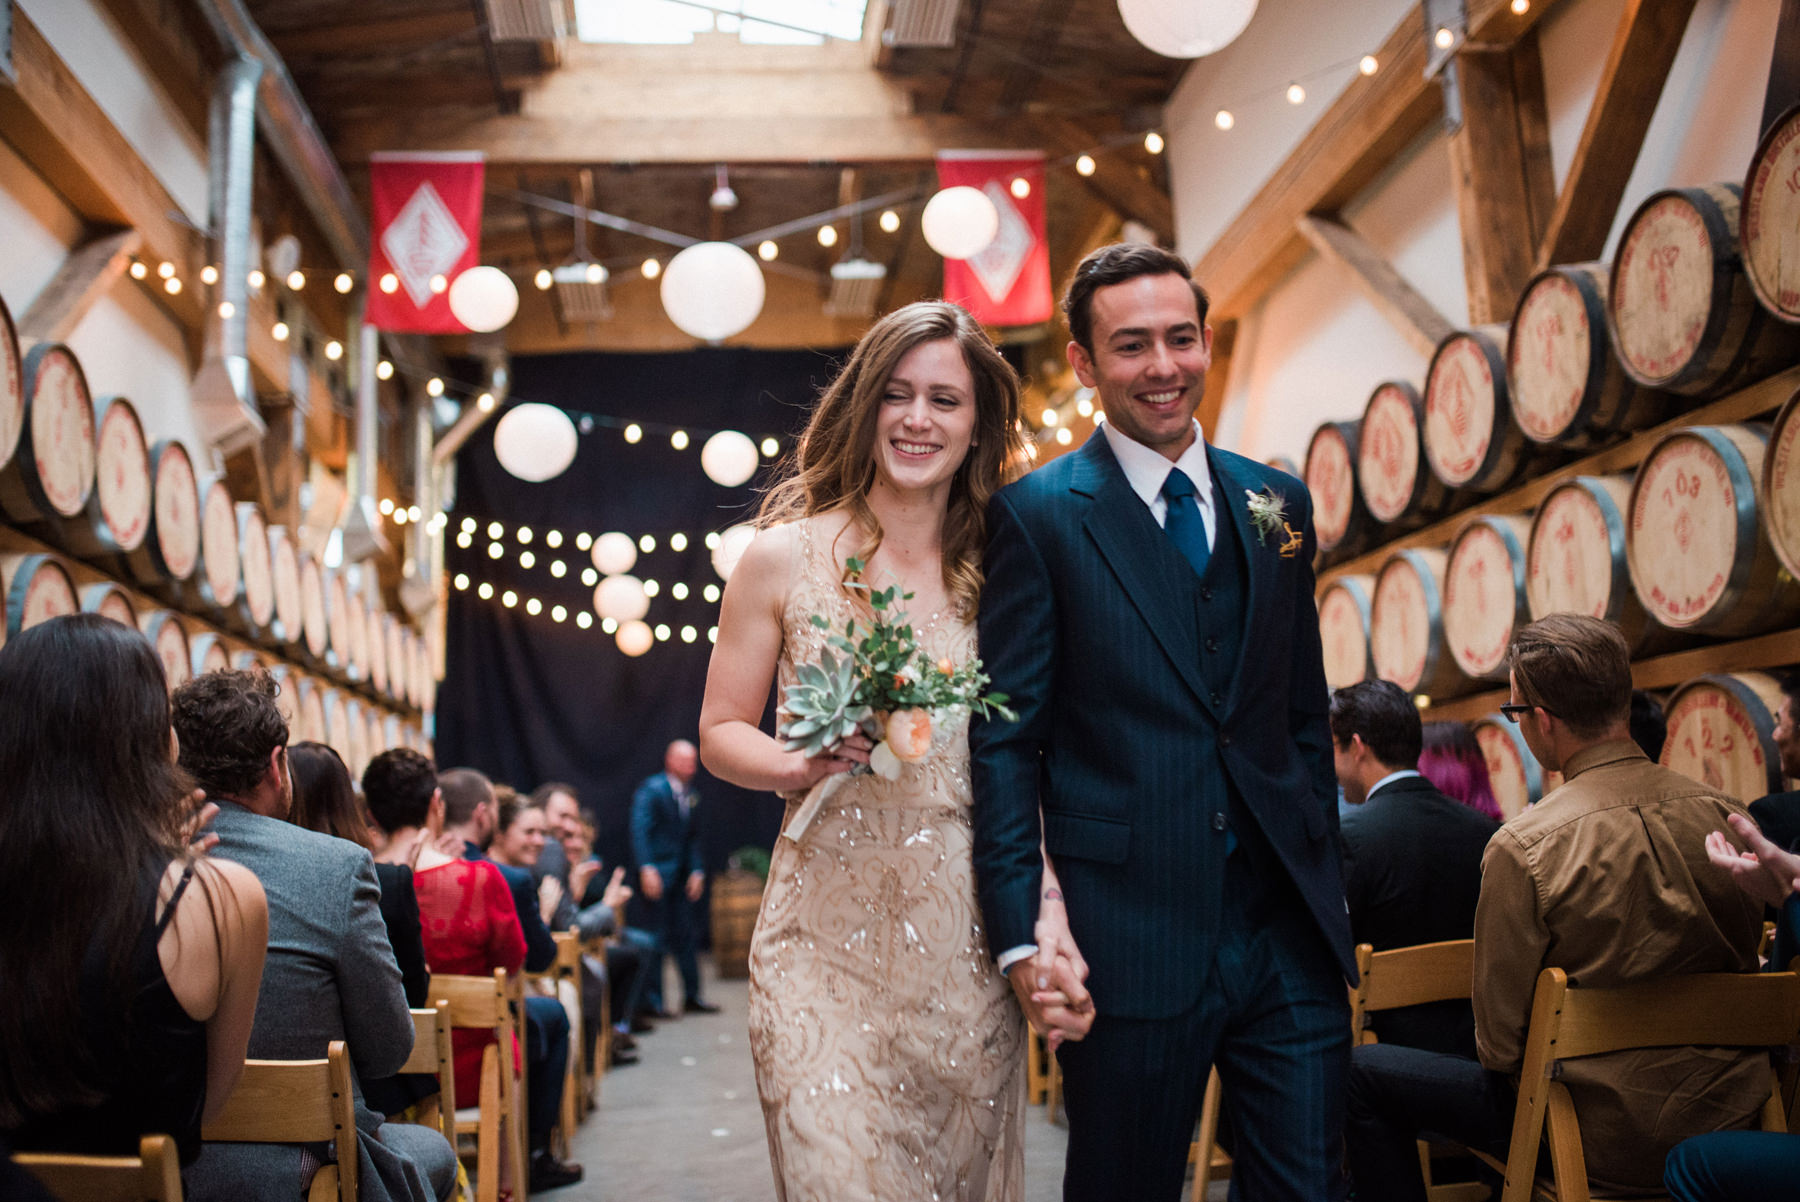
[{"x": 909, "y": 734}]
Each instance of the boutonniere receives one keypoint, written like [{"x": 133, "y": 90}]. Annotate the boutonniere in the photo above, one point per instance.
[{"x": 1268, "y": 513}]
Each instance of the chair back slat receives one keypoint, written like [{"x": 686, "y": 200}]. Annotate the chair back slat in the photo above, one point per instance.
[
  {"x": 475, "y": 1002},
  {"x": 1727, "y": 1010},
  {"x": 1412, "y": 976},
  {"x": 423, "y": 1058},
  {"x": 292, "y": 1102},
  {"x": 153, "y": 1175}
]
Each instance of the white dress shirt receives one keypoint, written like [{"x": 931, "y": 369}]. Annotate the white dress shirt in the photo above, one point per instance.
[
  {"x": 1389, "y": 779},
  {"x": 1146, "y": 469}
]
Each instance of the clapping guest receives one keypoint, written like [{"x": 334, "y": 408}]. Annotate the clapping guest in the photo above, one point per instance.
[
  {"x": 1451, "y": 760},
  {"x": 131, "y": 965}
]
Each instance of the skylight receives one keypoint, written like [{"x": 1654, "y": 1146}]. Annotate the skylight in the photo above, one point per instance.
[{"x": 675, "y": 22}]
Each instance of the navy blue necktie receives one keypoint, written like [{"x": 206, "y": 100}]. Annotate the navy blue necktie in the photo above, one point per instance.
[{"x": 1183, "y": 522}]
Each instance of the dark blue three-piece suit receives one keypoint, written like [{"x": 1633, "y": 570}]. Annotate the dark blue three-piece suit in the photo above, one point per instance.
[{"x": 1172, "y": 728}]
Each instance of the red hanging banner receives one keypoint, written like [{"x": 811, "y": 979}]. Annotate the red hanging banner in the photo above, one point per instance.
[
  {"x": 1008, "y": 284},
  {"x": 427, "y": 223}
]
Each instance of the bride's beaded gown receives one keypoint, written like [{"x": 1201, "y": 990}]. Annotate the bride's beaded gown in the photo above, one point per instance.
[{"x": 889, "y": 1050}]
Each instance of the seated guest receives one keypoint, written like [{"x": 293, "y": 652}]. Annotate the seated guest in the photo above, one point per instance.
[
  {"x": 1412, "y": 856},
  {"x": 1649, "y": 729},
  {"x": 1606, "y": 878},
  {"x": 1778, "y": 814},
  {"x": 331, "y": 972},
  {"x": 1727, "y": 1166},
  {"x": 1451, "y": 760},
  {"x": 471, "y": 814},
  {"x": 131, "y": 966}
]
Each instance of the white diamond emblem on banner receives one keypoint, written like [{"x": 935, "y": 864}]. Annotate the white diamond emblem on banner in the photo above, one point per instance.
[
  {"x": 423, "y": 240},
  {"x": 999, "y": 265}
]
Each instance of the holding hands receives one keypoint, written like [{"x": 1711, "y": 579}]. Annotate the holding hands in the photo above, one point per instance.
[{"x": 1050, "y": 985}]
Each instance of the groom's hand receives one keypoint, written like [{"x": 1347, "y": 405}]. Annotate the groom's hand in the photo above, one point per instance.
[{"x": 1056, "y": 1003}]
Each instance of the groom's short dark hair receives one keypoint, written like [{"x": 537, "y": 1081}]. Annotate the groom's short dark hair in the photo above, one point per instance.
[
  {"x": 1114, "y": 265},
  {"x": 1385, "y": 717}
]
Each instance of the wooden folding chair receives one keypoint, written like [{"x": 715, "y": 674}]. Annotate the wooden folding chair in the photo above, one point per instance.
[
  {"x": 297, "y": 1102},
  {"x": 496, "y": 1121},
  {"x": 431, "y": 1055},
  {"x": 1727, "y": 1010},
  {"x": 564, "y": 984},
  {"x": 602, "y": 1057},
  {"x": 153, "y": 1175},
  {"x": 1211, "y": 1162},
  {"x": 1037, "y": 1069}
]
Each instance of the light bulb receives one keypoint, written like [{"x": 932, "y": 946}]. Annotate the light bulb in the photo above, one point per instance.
[
  {"x": 712, "y": 634},
  {"x": 1084, "y": 165},
  {"x": 647, "y": 543},
  {"x": 495, "y": 530},
  {"x": 595, "y": 274},
  {"x": 1020, "y": 187},
  {"x": 584, "y": 619},
  {"x": 509, "y": 598},
  {"x": 766, "y": 250},
  {"x": 486, "y": 402},
  {"x": 633, "y": 432},
  {"x": 1223, "y": 119},
  {"x": 279, "y": 331},
  {"x": 440, "y": 283},
  {"x": 678, "y": 542},
  {"x": 1369, "y": 64},
  {"x": 828, "y": 235},
  {"x": 334, "y": 350},
  {"x": 485, "y": 592},
  {"x": 256, "y": 279},
  {"x": 679, "y": 440},
  {"x": 1064, "y": 436},
  {"x": 553, "y": 539},
  {"x": 434, "y": 387},
  {"x": 710, "y": 592},
  {"x": 523, "y": 534},
  {"x": 386, "y": 506},
  {"x": 890, "y": 221},
  {"x": 543, "y": 279},
  {"x": 558, "y": 568},
  {"x": 1296, "y": 94},
  {"x": 172, "y": 286},
  {"x": 1153, "y": 142},
  {"x": 384, "y": 370},
  {"x": 296, "y": 279},
  {"x": 527, "y": 560},
  {"x": 209, "y": 275},
  {"x": 651, "y": 588},
  {"x": 689, "y": 634},
  {"x": 558, "y": 613},
  {"x": 139, "y": 270},
  {"x": 165, "y": 269},
  {"x": 1444, "y": 38},
  {"x": 227, "y": 310},
  {"x": 1521, "y": 7},
  {"x": 583, "y": 541},
  {"x": 534, "y": 607},
  {"x": 678, "y": 590},
  {"x": 495, "y": 550},
  {"x": 344, "y": 282},
  {"x": 390, "y": 283},
  {"x": 770, "y": 448},
  {"x": 1051, "y": 417},
  {"x": 462, "y": 581},
  {"x": 651, "y": 269}
]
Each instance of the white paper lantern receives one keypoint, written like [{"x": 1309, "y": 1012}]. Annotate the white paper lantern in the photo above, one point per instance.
[
  {"x": 1186, "y": 28},
  {"x": 614, "y": 553},
  {"x": 728, "y": 458},
  {"x": 732, "y": 545},
  {"x": 960, "y": 222},
  {"x": 621, "y": 598},
  {"x": 484, "y": 299},
  {"x": 535, "y": 442},
  {"x": 635, "y": 638},
  {"x": 712, "y": 290}
]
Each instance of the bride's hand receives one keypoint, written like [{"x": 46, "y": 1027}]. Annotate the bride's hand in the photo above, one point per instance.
[{"x": 805, "y": 772}]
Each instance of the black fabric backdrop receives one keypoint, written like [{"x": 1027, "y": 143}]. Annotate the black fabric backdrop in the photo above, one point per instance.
[{"x": 528, "y": 700}]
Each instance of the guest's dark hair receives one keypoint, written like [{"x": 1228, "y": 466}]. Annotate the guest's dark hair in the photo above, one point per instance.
[
  {"x": 1650, "y": 730},
  {"x": 398, "y": 784},
  {"x": 1114, "y": 265},
  {"x": 92, "y": 804},
  {"x": 324, "y": 797},
  {"x": 1576, "y": 667},
  {"x": 228, "y": 724},
  {"x": 1385, "y": 717},
  {"x": 1790, "y": 687},
  {"x": 464, "y": 791},
  {"x": 512, "y": 804},
  {"x": 1452, "y": 761},
  {"x": 541, "y": 795}
]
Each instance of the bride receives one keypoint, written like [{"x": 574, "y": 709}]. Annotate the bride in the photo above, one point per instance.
[{"x": 889, "y": 1050}]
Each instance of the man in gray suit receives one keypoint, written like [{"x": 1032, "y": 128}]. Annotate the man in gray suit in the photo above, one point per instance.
[{"x": 330, "y": 972}]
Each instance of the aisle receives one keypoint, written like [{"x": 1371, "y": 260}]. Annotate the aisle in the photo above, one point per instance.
[{"x": 683, "y": 1124}]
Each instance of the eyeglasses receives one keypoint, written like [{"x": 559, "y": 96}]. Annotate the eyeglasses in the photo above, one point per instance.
[{"x": 1514, "y": 712}]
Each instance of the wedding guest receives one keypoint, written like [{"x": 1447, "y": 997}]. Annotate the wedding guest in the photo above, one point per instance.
[
  {"x": 665, "y": 839},
  {"x": 331, "y": 972},
  {"x": 1778, "y": 814},
  {"x": 1606, "y": 878},
  {"x": 131, "y": 964},
  {"x": 1451, "y": 760},
  {"x": 1649, "y": 728}
]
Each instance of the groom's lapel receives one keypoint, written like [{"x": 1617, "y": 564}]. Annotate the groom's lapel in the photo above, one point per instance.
[
  {"x": 1140, "y": 556},
  {"x": 1233, "y": 486}
]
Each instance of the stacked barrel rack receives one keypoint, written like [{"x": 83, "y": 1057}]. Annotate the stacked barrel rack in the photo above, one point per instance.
[
  {"x": 95, "y": 517},
  {"x": 1628, "y": 446}
]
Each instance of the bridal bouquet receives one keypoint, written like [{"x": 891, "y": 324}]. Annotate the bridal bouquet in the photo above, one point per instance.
[{"x": 880, "y": 683}]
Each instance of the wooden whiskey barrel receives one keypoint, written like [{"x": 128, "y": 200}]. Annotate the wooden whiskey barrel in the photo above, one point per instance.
[
  {"x": 168, "y": 635},
  {"x": 1769, "y": 224},
  {"x": 216, "y": 583},
  {"x": 12, "y": 387},
  {"x": 374, "y": 731},
  {"x": 357, "y": 623},
  {"x": 117, "y": 518},
  {"x": 209, "y": 653},
  {"x": 1513, "y": 772},
  {"x": 1682, "y": 312},
  {"x": 1576, "y": 559},
  {"x": 337, "y": 728},
  {"x": 1567, "y": 387},
  {"x": 736, "y": 898},
  {"x": 1781, "y": 486},
  {"x": 309, "y": 710},
  {"x": 51, "y": 476},
  {"x": 109, "y": 601},
  {"x": 376, "y": 637},
  {"x": 1471, "y": 440},
  {"x": 38, "y": 587},
  {"x": 427, "y": 676},
  {"x": 170, "y": 550},
  {"x": 284, "y": 578},
  {"x": 1722, "y": 733},
  {"x": 1406, "y": 625},
  {"x": 314, "y": 628},
  {"x": 337, "y": 619},
  {"x": 356, "y": 738},
  {"x": 1344, "y": 612},
  {"x": 394, "y": 631},
  {"x": 1340, "y": 523},
  {"x": 256, "y": 603},
  {"x": 1700, "y": 558},
  {"x": 1484, "y": 593},
  {"x": 1392, "y": 473}
]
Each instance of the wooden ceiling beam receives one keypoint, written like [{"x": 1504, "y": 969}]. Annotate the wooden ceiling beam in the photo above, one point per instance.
[
  {"x": 1117, "y": 181},
  {"x": 383, "y": 36}
]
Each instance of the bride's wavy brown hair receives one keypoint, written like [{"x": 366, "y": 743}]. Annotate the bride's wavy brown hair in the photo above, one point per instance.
[{"x": 834, "y": 467}]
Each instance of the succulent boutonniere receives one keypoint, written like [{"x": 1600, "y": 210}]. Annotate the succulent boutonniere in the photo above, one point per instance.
[{"x": 1268, "y": 513}]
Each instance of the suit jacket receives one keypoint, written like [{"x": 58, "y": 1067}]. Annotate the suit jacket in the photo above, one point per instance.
[
  {"x": 593, "y": 921},
  {"x": 1130, "y": 755},
  {"x": 660, "y": 837},
  {"x": 400, "y": 914},
  {"x": 1412, "y": 874},
  {"x": 1778, "y": 815},
  {"x": 330, "y": 974},
  {"x": 540, "y": 946}
]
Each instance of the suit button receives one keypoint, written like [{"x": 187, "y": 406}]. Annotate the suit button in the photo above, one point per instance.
[
  {"x": 1218, "y": 699},
  {"x": 1218, "y": 822},
  {"x": 1224, "y": 740},
  {"x": 1206, "y": 593},
  {"x": 1212, "y": 643}
]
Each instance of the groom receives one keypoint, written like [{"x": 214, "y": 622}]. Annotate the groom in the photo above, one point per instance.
[{"x": 1149, "y": 608}]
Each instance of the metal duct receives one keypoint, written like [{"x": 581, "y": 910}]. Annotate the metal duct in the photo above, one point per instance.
[
  {"x": 224, "y": 404},
  {"x": 526, "y": 20},
  {"x": 855, "y": 286},
  {"x": 362, "y": 521},
  {"x": 922, "y": 23}
]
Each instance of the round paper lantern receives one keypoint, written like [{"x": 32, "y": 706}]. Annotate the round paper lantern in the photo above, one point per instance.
[
  {"x": 621, "y": 598},
  {"x": 728, "y": 458},
  {"x": 1186, "y": 28},
  {"x": 484, "y": 299},
  {"x": 960, "y": 222},
  {"x": 535, "y": 442},
  {"x": 635, "y": 638},
  {"x": 732, "y": 545},
  {"x": 712, "y": 290},
  {"x": 614, "y": 553}
]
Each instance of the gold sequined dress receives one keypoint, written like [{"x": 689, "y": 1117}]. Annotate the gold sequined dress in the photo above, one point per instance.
[{"x": 889, "y": 1050}]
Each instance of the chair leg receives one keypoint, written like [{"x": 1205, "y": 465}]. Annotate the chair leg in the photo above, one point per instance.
[
  {"x": 1206, "y": 1147},
  {"x": 488, "y": 1156},
  {"x": 1037, "y": 1075},
  {"x": 1053, "y": 1100}
]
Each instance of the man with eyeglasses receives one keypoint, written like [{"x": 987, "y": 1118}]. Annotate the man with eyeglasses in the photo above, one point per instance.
[{"x": 1608, "y": 879}]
